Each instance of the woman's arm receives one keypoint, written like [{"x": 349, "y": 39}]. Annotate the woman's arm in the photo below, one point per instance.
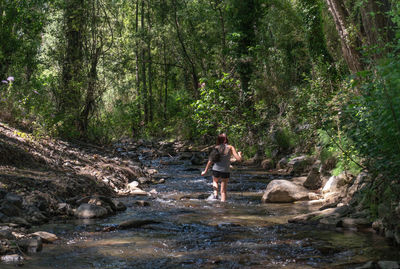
[
  {"x": 207, "y": 167},
  {"x": 237, "y": 155}
]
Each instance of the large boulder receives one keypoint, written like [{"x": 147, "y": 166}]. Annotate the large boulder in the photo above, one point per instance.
[
  {"x": 31, "y": 245},
  {"x": 284, "y": 191},
  {"x": 313, "y": 180},
  {"x": 335, "y": 183},
  {"x": 89, "y": 211},
  {"x": 267, "y": 164},
  {"x": 282, "y": 163},
  {"x": 299, "y": 165}
]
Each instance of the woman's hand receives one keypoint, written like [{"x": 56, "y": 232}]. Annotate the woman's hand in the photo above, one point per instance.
[{"x": 203, "y": 173}]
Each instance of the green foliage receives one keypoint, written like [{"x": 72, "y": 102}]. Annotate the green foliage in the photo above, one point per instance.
[
  {"x": 216, "y": 109},
  {"x": 372, "y": 119}
]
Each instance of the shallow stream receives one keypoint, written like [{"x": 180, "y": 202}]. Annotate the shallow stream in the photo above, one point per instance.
[{"x": 191, "y": 231}]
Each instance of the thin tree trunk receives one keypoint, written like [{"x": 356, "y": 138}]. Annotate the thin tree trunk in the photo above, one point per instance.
[
  {"x": 73, "y": 60},
  {"x": 89, "y": 102},
  {"x": 144, "y": 82},
  {"x": 349, "y": 47},
  {"x": 149, "y": 70},
  {"x": 377, "y": 26},
  {"x": 195, "y": 79},
  {"x": 166, "y": 72},
  {"x": 137, "y": 70}
]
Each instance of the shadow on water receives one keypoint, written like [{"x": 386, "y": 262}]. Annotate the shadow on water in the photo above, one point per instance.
[{"x": 196, "y": 232}]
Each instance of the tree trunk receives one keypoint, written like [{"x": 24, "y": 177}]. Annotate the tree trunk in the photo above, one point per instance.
[
  {"x": 144, "y": 78},
  {"x": 149, "y": 69},
  {"x": 73, "y": 59},
  {"x": 195, "y": 79},
  {"x": 349, "y": 47},
  {"x": 377, "y": 26},
  {"x": 137, "y": 69}
]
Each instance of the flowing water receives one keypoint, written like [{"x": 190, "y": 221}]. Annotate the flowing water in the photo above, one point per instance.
[{"x": 191, "y": 231}]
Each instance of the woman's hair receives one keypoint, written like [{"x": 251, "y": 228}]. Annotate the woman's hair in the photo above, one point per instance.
[{"x": 222, "y": 139}]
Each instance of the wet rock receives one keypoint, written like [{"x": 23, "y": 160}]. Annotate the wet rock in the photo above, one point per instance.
[
  {"x": 136, "y": 223},
  {"x": 150, "y": 171},
  {"x": 10, "y": 209},
  {"x": 6, "y": 233},
  {"x": 64, "y": 209},
  {"x": 172, "y": 162},
  {"x": 19, "y": 222},
  {"x": 284, "y": 191},
  {"x": 267, "y": 164},
  {"x": 142, "y": 203},
  {"x": 368, "y": 265},
  {"x": 37, "y": 218},
  {"x": 313, "y": 180},
  {"x": 314, "y": 196},
  {"x": 103, "y": 201},
  {"x": 389, "y": 264},
  {"x": 133, "y": 185},
  {"x": 330, "y": 222},
  {"x": 119, "y": 206},
  {"x": 355, "y": 223},
  {"x": 46, "y": 236},
  {"x": 138, "y": 192},
  {"x": 282, "y": 163},
  {"x": 299, "y": 165},
  {"x": 335, "y": 183},
  {"x": 315, "y": 216},
  {"x": 31, "y": 245},
  {"x": 197, "y": 159},
  {"x": 88, "y": 211},
  {"x": 185, "y": 156},
  {"x": 380, "y": 265},
  {"x": 377, "y": 225},
  {"x": 14, "y": 258},
  {"x": 14, "y": 199},
  {"x": 144, "y": 180}
]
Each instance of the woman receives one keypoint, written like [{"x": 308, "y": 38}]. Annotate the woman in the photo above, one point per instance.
[{"x": 221, "y": 169}]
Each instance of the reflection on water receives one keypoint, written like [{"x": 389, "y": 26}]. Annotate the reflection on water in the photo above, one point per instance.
[{"x": 195, "y": 232}]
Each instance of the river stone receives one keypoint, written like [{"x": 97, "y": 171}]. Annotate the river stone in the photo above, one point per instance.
[
  {"x": 14, "y": 199},
  {"x": 133, "y": 185},
  {"x": 135, "y": 223},
  {"x": 31, "y": 245},
  {"x": 103, "y": 201},
  {"x": 6, "y": 233},
  {"x": 282, "y": 163},
  {"x": 197, "y": 159},
  {"x": 267, "y": 164},
  {"x": 88, "y": 211},
  {"x": 10, "y": 209},
  {"x": 313, "y": 180},
  {"x": 335, "y": 183},
  {"x": 185, "y": 156},
  {"x": 119, "y": 206},
  {"x": 19, "y": 222},
  {"x": 284, "y": 191},
  {"x": 138, "y": 192},
  {"x": 388, "y": 265},
  {"x": 142, "y": 203},
  {"x": 299, "y": 165},
  {"x": 14, "y": 258},
  {"x": 316, "y": 215},
  {"x": 46, "y": 236},
  {"x": 356, "y": 223}
]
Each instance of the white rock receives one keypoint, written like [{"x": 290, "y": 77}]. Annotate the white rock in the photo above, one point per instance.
[{"x": 284, "y": 191}]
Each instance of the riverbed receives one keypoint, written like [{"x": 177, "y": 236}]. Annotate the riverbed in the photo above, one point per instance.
[{"x": 189, "y": 230}]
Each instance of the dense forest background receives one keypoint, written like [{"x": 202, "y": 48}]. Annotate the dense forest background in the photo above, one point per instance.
[{"x": 281, "y": 77}]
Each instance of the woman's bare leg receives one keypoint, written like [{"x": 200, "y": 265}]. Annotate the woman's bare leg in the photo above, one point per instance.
[
  {"x": 224, "y": 184},
  {"x": 215, "y": 186}
]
